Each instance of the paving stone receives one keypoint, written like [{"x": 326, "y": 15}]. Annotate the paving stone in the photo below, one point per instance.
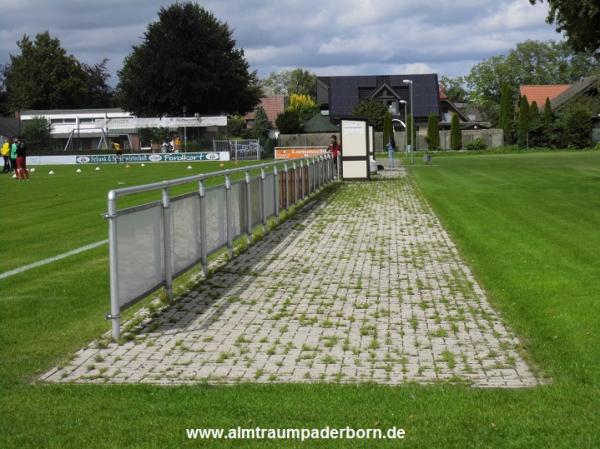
[{"x": 363, "y": 286}]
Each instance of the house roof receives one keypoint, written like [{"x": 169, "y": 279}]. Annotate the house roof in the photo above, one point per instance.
[
  {"x": 273, "y": 106},
  {"x": 539, "y": 92},
  {"x": 320, "y": 124},
  {"x": 343, "y": 93},
  {"x": 577, "y": 88}
]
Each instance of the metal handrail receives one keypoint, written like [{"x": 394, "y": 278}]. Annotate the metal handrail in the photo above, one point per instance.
[{"x": 319, "y": 173}]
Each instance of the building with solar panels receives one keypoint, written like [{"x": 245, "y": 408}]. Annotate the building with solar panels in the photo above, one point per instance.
[{"x": 339, "y": 95}]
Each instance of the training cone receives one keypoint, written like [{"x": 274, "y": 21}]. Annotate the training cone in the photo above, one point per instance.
[
  {"x": 97, "y": 168},
  {"x": 143, "y": 165},
  {"x": 189, "y": 167},
  {"x": 32, "y": 170},
  {"x": 127, "y": 166},
  {"x": 14, "y": 176},
  {"x": 78, "y": 170},
  {"x": 221, "y": 164},
  {"x": 50, "y": 172}
]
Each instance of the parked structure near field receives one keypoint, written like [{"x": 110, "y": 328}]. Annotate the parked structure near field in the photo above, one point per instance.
[{"x": 91, "y": 129}]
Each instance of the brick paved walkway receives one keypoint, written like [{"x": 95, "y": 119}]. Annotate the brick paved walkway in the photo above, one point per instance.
[{"x": 362, "y": 286}]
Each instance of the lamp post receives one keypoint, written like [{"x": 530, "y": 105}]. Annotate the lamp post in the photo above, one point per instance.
[
  {"x": 403, "y": 102},
  {"x": 412, "y": 120},
  {"x": 184, "y": 132}
]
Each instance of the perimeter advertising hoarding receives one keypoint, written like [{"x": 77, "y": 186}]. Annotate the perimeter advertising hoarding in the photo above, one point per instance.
[{"x": 298, "y": 152}]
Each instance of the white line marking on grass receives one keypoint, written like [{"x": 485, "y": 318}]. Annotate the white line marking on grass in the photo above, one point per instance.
[{"x": 52, "y": 259}]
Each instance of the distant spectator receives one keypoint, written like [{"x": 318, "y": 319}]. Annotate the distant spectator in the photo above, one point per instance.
[
  {"x": 118, "y": 151},
  {"x": 391, "y": 147},
  {"x": 6, "y": 156},
  {"x": 13, "y": 155},
  {"x": 166, "y": 146},
  {"x": 335, "y": 150},
  {"x": 21, "y": 157}
]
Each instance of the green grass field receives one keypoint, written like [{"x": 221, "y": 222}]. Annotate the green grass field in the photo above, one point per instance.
[{"x": 527, "y": 224}]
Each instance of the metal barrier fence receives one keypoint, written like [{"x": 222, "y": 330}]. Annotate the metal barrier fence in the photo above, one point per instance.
[
  {"x": 153, "y": 243},
  {"x": 239, "y": 150}
]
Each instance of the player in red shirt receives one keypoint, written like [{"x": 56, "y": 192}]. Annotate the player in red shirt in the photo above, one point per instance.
[{"x": 335, "y": 150}]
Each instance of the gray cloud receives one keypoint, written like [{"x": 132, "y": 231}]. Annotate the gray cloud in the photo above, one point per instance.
[{"x": 325, "y": 36}]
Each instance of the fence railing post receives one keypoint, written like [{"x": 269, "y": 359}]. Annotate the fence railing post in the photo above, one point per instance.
[
  {"x": 115, "y": 307},
  {"x": 294, "y": 183},
  {"x": 287, "y": 186},
  {"x": 301, "y": 177},
  {"x": 167, "y": 243},
  {"x": 228, "y": 221},
  {"x": 248, "y": 208},
  {"x": 276, "y": 191},
  {"x": 263, "y": 196},
  {"x": 203, "y": 239}
]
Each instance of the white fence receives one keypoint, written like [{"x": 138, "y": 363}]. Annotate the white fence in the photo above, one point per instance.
[
  {"x": 151, "y": 244},
  {"x": 239, "y": 150}
]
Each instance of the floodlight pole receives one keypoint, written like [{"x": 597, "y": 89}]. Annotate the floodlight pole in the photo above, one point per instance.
[
  {"x": 412, "y": 120},
  {"x": 405, "y": 127}
]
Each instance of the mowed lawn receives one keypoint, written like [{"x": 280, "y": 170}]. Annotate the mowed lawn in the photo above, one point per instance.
[{"x": 527, "y": 224}]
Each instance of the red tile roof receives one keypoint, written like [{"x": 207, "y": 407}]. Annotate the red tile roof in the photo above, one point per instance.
[
  {"x": 539, "y": 92},
  {"x": 273, "y": 106}
]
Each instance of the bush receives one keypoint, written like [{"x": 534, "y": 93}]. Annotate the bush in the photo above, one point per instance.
[
  {"x": 476, "y": 145},
  {"x": 577, "y": 127},
  {"x": 288, "y": 122},
  {"x": 433, "y": 133},
  {"x": 455, "y": 134},
  {"x": 36, "y": 134}
]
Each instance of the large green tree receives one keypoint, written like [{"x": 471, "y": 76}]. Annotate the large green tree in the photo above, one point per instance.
[
  {"x": 530, "y": 62},
  {"x": 187, "y": 59},
  {"x": 523, "y": 122},
  {"x": 44, "y": 76},
  {"x": 579, "y": 20},
  {"x": 375, "y": 111},
  {"x": 506, "y": 118},
  {"x": 288, "y": 82},
  {"x": 455, "y": 88}
]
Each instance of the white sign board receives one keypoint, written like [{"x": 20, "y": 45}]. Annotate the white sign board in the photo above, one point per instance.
[{"x": 355, "y": 149}]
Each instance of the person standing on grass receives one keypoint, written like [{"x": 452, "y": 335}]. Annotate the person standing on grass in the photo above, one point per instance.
[
  {"x": 391, "y": 146},
  {"x": 13, "y": 155},
  {"x": 118, "y": 151},
  {"x": 335, "y": 150},
  {"x": 6, "y": 156},
  {"x": 21, "y": 156}
]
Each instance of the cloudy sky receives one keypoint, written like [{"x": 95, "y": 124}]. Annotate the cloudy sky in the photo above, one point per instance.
[{"x": 326, "y": 36}]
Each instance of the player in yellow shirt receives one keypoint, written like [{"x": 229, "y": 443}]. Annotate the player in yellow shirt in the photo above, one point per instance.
[{"x": 5, "y": 151}]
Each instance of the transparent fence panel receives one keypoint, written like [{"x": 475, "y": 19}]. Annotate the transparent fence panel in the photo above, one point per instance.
[
  {"x": 216, "y": 231},
  {"x": 269, "y": 195},
  {"x": 140, "y": 251},
  {"x": 186, "y": 231},
  {"x": 255, "y": 194},
  {"x": 238, "y": 209}
]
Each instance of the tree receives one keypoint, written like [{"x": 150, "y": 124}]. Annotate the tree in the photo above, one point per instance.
[
  {"x": 187, "y": 58},
  {"x": 388, "y": 128},
  {"x": 579, "y": 20},
  {"x": 455, "y": 88},
  {"x": 530, "y": 62},
  {"x": 375, "y": 111},
  {"x": 236, "y": 125},
  {"x": 43, "y": 76},
  {"x": 523, "y": 123},
  {"x": 433, "y": 133},
  {"x": 36, "y": 134},
  {"x": 261, "y": 126},
  {"x": 535, "y": 126},
  {"x": 577, "y": 126},
  {"x": 455, "y": 134},
  {"x": 288, "y": 82},
  {"x": 288, "y": 122},
  {"x": 304, "y": 106},
  {"x": 505, "y": 120},
  {"x": 548, "y": 127}
]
